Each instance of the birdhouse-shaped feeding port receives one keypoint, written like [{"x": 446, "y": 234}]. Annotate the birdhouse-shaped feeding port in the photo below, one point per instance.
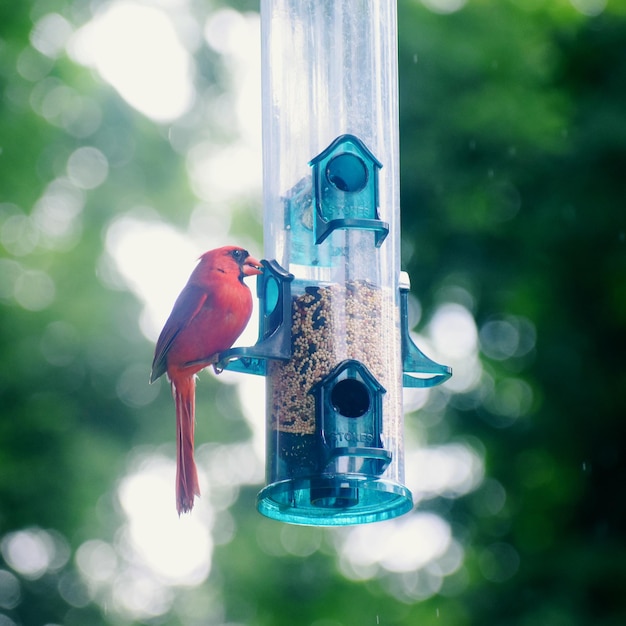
[
  {"x": 345, "y": 189},
  {"x": 349, "y": 416},
  {"x": 334, "y": 342}
]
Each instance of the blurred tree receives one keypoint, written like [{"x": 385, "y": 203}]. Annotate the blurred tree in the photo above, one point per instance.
[
  {"x": 513, "y": 150},
  {"x": 517, "y": 196}
]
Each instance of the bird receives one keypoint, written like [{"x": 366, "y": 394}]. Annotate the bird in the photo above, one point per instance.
[{"x": 208, "y": 316}]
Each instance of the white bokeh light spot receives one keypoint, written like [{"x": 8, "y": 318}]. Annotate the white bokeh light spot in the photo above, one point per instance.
[
  {"x": 453, "y": 331},
  {"x": 444, "y": 6},
  {"x": 454, "y": 337},
  {"x": 177, "y": 549},
  {"x": 452, "y": 470},
  {"x": 401, "y": 545},
  {"x": 135, "y": 48},
  {"x": 136, "y": 245}
]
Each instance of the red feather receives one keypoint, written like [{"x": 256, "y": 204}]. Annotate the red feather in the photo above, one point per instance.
[{"x": 208, "y": 316}]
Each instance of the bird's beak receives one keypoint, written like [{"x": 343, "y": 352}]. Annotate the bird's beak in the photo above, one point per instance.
[{"x": 251, "y": 266}]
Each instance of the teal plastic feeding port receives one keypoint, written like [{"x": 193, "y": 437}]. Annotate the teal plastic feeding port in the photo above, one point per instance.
[
  {"x": 345, "y": 189},
  {"x": 334, "y": 342},
  {"x": 334, "y": 473},
  {"x": 273, "y": 288}
]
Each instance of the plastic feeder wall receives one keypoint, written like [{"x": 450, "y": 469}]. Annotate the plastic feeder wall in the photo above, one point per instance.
[{"x": 334, "y": 342}]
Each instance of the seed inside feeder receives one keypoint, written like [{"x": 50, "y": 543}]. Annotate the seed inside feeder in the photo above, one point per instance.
[{"x": 330, "y": 323}]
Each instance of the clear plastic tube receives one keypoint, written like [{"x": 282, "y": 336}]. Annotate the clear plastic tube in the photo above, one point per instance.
[{"x": 331, "y": 218}]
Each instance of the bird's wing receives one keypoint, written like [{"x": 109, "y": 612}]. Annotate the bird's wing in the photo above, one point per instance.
[{"x": 188, "y": 304}]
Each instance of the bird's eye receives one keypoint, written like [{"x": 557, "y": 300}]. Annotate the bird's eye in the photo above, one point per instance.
[{"x": 239, "y": 255}]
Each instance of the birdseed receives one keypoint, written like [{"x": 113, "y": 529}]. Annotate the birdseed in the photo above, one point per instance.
[{"x": 330, "y": 323}]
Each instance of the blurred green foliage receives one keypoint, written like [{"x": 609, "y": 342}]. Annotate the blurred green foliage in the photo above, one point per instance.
[{"x": 513, "y": 154}]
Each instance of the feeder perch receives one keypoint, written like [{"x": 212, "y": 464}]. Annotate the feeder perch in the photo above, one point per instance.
[{"x": 273, "y": 289}]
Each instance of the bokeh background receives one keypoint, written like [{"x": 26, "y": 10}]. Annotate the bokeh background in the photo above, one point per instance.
[{"x": 130, "y": 143}]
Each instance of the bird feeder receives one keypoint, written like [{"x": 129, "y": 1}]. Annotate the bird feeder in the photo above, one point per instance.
[{"x": 334, "y": 341}]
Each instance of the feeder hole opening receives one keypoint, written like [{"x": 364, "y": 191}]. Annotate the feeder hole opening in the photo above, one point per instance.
[
  {"x": 347, "y": 172},
  {"x": 350, "y": 398}
]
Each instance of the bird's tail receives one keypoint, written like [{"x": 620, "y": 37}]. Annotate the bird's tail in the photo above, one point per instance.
[{"x": 187, "y": 487}]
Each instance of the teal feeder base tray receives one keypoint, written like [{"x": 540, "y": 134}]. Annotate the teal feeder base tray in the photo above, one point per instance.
[{"x": 339, "y": 500}]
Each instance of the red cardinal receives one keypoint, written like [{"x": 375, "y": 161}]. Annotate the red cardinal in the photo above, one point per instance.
[{"x": 210, "y": 313}]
